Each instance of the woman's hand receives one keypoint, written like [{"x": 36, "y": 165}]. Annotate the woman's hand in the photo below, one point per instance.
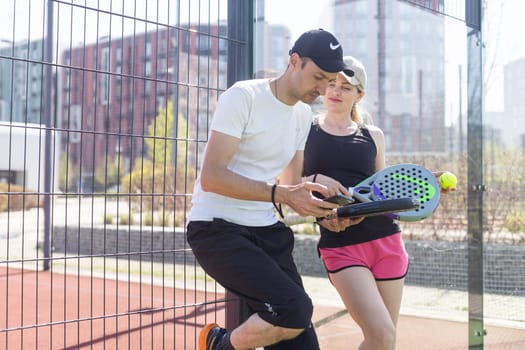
[
  {"x": 334, "y": 187},
  {"x": 336, "y": 224}
]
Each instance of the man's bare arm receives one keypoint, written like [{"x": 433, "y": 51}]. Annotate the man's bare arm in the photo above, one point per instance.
[{"x": 216, "y": 177}]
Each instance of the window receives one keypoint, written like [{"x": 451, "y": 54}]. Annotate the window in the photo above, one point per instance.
[
  {"x": 104, "y": 81},
  {"x": 75, "y": 123},
  {"x": 408, "y": 75},
  {"x": 2, "y": 110}
]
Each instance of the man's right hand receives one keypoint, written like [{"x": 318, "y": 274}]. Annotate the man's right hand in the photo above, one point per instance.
[{"x": 301, "y": 200}]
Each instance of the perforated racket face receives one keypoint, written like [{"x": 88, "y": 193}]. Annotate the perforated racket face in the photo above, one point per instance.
[{"x": 408, "y": 180}]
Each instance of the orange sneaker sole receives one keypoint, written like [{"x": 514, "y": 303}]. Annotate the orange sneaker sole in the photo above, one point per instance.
[{"x": 204, "y": 334}]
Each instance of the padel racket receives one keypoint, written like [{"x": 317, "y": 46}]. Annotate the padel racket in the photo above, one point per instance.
[
  {"x": 400, "y": 181},
  {"x": 361, "y": 209}
]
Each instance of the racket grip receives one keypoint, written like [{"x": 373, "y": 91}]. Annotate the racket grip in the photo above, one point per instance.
[{"x": 297, "y": 219}]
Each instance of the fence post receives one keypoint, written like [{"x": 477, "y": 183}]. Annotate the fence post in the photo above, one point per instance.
[
  {"x": 48, "y": 83},
  {"x": 473, "y": 18},
  {"x": 240, "y": 67}
]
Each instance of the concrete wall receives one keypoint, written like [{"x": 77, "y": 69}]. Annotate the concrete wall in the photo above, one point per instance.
[
  {"x": 149, "y": 244},
  {"x": 432, "y": 263},
  {"x": 440, "y": 264}
]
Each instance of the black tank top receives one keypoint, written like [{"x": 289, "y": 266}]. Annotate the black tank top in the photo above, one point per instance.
[{"x": 349, "y": 159}]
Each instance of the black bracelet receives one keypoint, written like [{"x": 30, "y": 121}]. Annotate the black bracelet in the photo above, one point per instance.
[
  {"x": 277, "y": 207},
  {"x": 315, "y": 177}
]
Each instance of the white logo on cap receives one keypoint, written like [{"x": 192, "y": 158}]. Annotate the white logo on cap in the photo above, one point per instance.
[{"x": 334, "y": 47}]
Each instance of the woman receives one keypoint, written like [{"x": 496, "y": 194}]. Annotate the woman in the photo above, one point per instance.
[{"x": 365, "y": 258}]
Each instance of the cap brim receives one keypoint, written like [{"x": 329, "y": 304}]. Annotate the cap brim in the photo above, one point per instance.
[
  {"x": 349, "y": 76},
  {"x": 348, "y": 73},
  {"x": 354, "y": 81},
  {"x": 330, "y": 66}
]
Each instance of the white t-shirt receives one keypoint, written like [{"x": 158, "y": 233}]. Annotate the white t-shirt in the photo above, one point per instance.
[{"x": 270, "y": 131}]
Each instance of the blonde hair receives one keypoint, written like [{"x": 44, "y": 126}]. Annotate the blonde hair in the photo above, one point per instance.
[{"x": 355, "y": 114}]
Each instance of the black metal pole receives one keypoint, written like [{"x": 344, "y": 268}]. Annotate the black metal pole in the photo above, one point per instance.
[
  {"x": 475, "y": 174},
  {"x": 240, "y": 66},
  {"x": 48, "y": 87}
]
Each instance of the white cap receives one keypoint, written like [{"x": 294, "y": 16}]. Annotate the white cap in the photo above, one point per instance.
[{"x": 355, "y": 74}]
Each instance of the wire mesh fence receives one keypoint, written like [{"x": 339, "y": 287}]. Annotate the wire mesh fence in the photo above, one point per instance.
[
  {"x": 93, "y": 246},
  {"x": 104, "y": 115}
]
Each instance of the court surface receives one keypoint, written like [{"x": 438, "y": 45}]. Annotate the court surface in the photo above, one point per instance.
[{"x": 84, "y": 312}]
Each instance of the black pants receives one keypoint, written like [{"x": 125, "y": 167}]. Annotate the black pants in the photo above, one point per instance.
[{"x": 256, "y": 263}]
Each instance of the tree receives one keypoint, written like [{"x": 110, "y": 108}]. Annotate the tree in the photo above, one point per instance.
[
  {"x": 160, "y": 185},
  {"x": 158, "y": 137},
  {"x": 107, "y": 173},
  {"x": 67, "y": 174}
]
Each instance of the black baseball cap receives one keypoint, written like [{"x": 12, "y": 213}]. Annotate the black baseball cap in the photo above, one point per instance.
[{"x": 323, "y": 48}]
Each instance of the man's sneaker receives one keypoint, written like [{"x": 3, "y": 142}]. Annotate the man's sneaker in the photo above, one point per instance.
[{"x": 210, "y": 336}]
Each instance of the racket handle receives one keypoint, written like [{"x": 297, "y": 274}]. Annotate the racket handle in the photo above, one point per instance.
[{"x": 296, "y": 219}]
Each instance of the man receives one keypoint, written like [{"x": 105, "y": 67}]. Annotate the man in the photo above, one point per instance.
[{"x": 257, "y": 135}]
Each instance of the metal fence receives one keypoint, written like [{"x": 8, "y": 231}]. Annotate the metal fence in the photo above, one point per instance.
[
  {"x": 105, "y": 110},
  {"x": 104, "y": 114}
]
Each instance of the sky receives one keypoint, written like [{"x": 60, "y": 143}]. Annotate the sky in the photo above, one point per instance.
[{"x": 313, "y": 14}]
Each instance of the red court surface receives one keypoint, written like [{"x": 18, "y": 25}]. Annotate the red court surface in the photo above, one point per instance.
[
  {"x": 126, "y": 315},
  {"x": 79, "y": 312}
]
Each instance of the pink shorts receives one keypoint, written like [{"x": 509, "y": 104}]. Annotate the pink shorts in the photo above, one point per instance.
[{"x": 385, "y": 257}]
